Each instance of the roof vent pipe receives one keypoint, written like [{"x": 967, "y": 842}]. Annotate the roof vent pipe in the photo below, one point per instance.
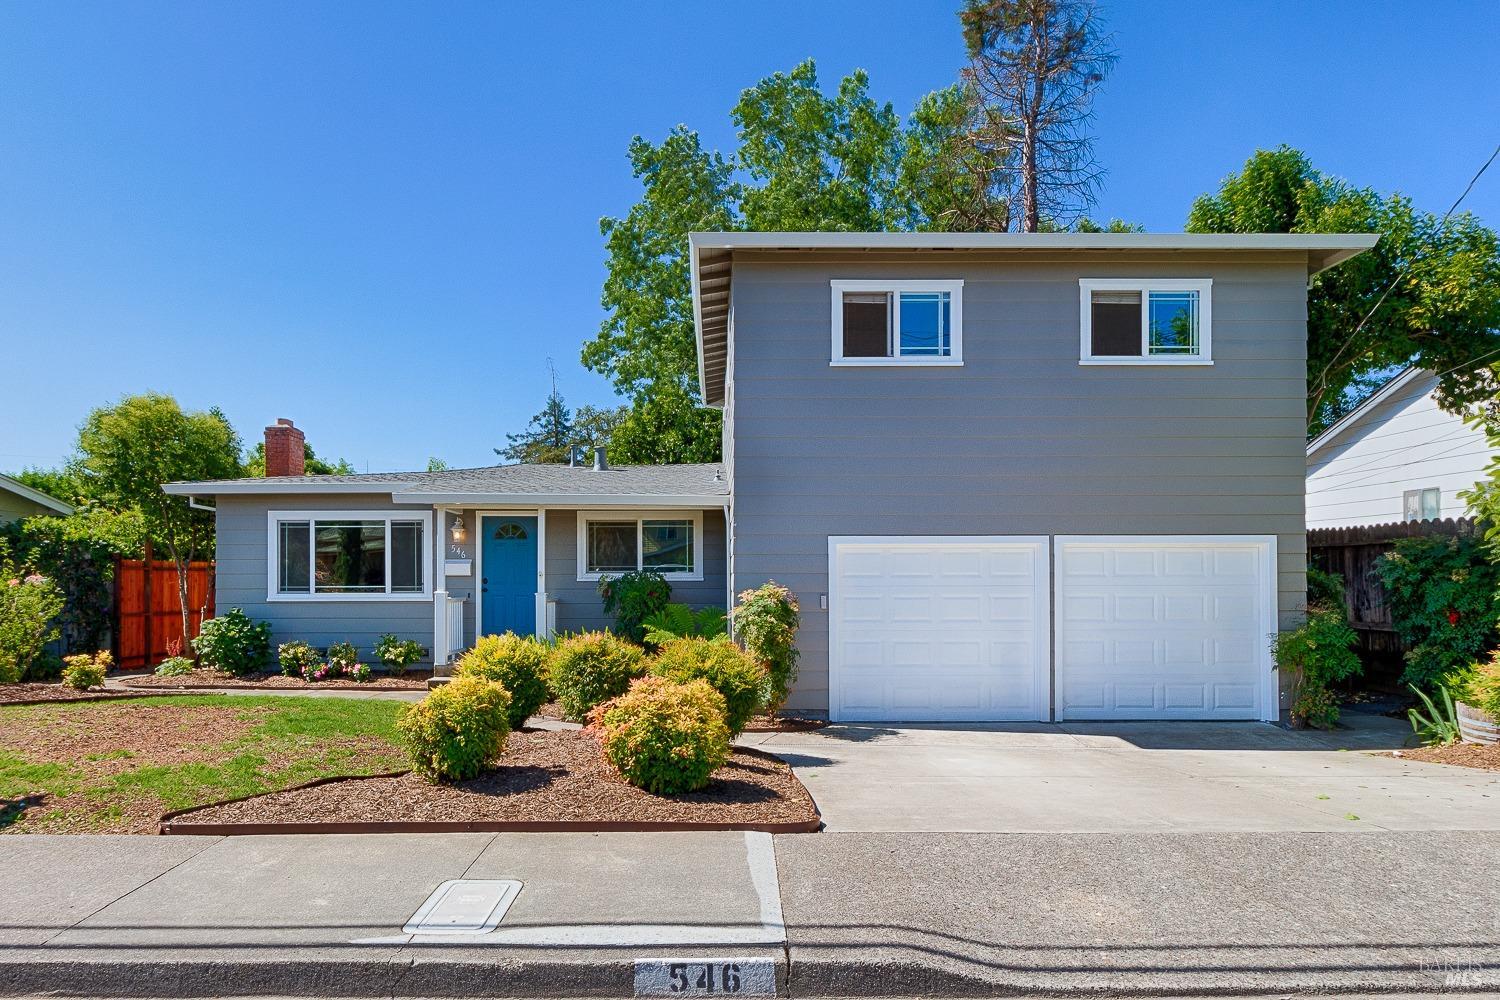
[{"x": 600, "y": 461}]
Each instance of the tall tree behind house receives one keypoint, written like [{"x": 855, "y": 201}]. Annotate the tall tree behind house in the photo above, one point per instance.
[{"x": 1034, "y": 67}]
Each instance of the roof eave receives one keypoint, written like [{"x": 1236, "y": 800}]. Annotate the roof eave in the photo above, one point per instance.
[
  {"x": 1397, "y": 382},
  {"x": 471, "y": 499},
  {"x": 212, "y": 488},
  {"x": 37, "y": 496}
]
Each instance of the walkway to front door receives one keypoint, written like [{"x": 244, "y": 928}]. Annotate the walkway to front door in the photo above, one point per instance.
[{"x": 507, "y": 586}]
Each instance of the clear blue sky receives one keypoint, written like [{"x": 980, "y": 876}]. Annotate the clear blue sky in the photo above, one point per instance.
[{"x": 380, "y": 220}]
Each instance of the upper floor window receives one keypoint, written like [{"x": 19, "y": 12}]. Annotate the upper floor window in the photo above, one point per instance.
[
  {"x": 348, "y": 555},
  {"x": 1421, "y": 505},
  {"x": 897, "y": 322},
  {"x": 1146, "y": 321}
]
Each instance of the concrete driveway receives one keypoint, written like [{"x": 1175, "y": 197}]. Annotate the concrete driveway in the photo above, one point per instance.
[{"x": 1132, "y": 778}]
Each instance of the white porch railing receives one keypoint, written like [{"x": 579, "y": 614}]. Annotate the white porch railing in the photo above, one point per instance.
[{"x": 447, "y": 627}]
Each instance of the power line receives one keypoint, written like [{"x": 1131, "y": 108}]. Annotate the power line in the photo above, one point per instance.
[{"x": 1396, "y": 280}]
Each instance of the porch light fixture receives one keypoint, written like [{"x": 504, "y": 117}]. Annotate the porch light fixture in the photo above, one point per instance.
[{"x": 457, "y": 531}]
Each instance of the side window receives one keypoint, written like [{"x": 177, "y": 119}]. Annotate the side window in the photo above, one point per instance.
[
  {"x": 897, "y": 322},
  {"x": 1422, "y": 505},
  {"x": 1145, "y": 321}
]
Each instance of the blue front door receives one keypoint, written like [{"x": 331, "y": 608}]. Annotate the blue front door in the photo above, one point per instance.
[{"x": 507, "y": 589}]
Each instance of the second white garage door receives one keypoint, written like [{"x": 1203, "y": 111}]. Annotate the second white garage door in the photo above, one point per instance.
[
  {"x": 1165, "y": 627},
  {"x": 947, "y": 628}
]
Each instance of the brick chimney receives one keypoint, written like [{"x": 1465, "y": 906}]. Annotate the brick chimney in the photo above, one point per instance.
[{"x": 284, "y": 454}]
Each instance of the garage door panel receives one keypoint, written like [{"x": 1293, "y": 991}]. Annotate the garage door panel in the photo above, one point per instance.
[
  {"x": 1163, "y": 627},
  {"x": 938, "y": 629}
]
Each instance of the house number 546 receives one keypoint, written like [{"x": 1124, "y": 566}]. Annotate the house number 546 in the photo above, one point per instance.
[{"x": 701, "y": 980}]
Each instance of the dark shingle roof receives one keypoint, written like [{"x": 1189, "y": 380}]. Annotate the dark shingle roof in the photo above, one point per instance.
[{"x": 706, "y": 480}]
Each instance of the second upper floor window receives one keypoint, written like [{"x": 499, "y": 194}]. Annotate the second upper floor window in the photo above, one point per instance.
[
  {"x": 1145, "y": 321},
  {"x": 897, "y": 322}
]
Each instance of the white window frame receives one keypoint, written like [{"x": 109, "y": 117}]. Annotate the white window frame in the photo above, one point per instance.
[
  {"x": 955, "y": 290},
  {"x": 585, "y": 516},
  {"x": 275, "y": 518},
  {"x": 1203, "y": 286}
]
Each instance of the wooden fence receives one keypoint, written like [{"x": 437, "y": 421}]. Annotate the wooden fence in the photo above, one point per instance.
[
  {"x": 1352, "y": 554},
  {"x": 147, "y": 614}
]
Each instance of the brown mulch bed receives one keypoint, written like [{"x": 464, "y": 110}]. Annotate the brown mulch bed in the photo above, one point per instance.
[
  {"x": 759, "y": 724},
  {"x": 20, "y": 694},
  {"x": 205, "y": 677},
  {"x": 1485, "y": 756},
  {"x": 543, "y": 776}
]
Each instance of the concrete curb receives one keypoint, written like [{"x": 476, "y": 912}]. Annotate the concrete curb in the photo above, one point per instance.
[{"x": 506, "y": 975}]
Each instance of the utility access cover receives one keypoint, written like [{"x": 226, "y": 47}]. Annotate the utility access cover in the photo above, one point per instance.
[{"x": 464, "y": 906}]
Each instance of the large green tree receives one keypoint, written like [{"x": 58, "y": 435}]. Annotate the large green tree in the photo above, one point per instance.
[
  {"x": 129, "y": 450},
  {"x": 806, "y": 160},
  {"x": 1428, "y": 294}
]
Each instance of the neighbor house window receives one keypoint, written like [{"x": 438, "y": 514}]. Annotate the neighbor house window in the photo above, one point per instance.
[
  {"x": 666, "y": 543},
  {"x": 1421, "y": 505},
  {"x": 338, "y": 555},
  {"x": 1145, "y": 321},
  {"x": 897, "y": 322}
]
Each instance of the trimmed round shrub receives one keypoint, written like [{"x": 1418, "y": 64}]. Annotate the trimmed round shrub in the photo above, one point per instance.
[
  {"x": 593, "y": 667},
  {"x": 518, "y": 662},
  {"x": 665, "y": 737},
  {"x": 455, "y": 731},
  {"x": 729, "y": 670},
  {"x": 83, "y": 670}
]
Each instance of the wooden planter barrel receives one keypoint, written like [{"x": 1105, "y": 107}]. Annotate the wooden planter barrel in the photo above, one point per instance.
[{"x": 1476, "y": 726}]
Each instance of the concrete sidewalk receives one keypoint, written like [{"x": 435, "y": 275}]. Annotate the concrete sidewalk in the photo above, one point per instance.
[{"x": 826, "y": 914}]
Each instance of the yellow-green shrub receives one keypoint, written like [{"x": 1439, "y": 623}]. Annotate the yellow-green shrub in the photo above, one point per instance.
[
  {"x": 729, "y": 670},
  {"x": 665, "y": 737},
  {"x": 593, "y": 667},
  {"x": 83, "y": 670},
  {"x": 457, "y": 729},
  {"x": 519, "y": 663}
]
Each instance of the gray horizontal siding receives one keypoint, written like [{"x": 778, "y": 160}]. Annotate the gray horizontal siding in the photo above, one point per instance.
[
  {"x": 1019, "y": 440},
  {"x": 240, "y": 580}
]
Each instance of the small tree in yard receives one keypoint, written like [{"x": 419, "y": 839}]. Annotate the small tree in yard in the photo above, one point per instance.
[{"x": 129, "y": 450}]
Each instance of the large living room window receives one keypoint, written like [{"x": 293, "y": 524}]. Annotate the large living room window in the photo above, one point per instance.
[
  {"x": 897, "y": 322},
  {"x": 667, "y": 543},
  {"x": 1145, "y": 321},
  {"x": 348, "y": 555}
]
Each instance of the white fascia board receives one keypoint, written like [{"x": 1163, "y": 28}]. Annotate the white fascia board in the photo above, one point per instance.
[
  {"x": 1379, "y": 396},
  {"x": 579, "y": 500},
  {"x": 1304, "y": 242},
  {"x": 35, "y": 496}
]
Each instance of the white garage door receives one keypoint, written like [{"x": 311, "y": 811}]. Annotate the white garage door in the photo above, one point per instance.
[
  {"x": 949, "y": 628},
  {"x": 1165, "y": 627}
]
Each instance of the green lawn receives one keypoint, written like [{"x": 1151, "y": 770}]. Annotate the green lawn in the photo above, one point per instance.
[{"x": 115, "y": 767}]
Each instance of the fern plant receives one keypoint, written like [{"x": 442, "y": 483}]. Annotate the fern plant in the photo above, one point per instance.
[
  {"x": 1438, "y": 726},
  {"x": 678, "y": 621}
]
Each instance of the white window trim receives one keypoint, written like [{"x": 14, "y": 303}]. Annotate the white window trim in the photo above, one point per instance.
[
  {"x": 955, "y": 290},
  {"x": 273, "y": 554},
  {"x": 585, "y": 516},
  {"x": 1204, "y": 288},
  {"x": 1420, "y": 493}
]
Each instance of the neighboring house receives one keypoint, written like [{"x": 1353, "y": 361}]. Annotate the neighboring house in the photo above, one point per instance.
[
  {"x": 1395, "y": 457},
  {"x": 1008, "y": 477},
  {"x": 18, "y": 501}
]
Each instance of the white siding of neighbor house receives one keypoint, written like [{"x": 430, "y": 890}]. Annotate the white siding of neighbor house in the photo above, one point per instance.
[
  {"x": 1019, "y": 440},
  {"x": 1402, "y": 443},
  {"x": 16, "y": 508}
]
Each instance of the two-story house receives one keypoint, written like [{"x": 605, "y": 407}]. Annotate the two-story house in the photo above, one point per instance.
[{"x": 1008, "y": 476}]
